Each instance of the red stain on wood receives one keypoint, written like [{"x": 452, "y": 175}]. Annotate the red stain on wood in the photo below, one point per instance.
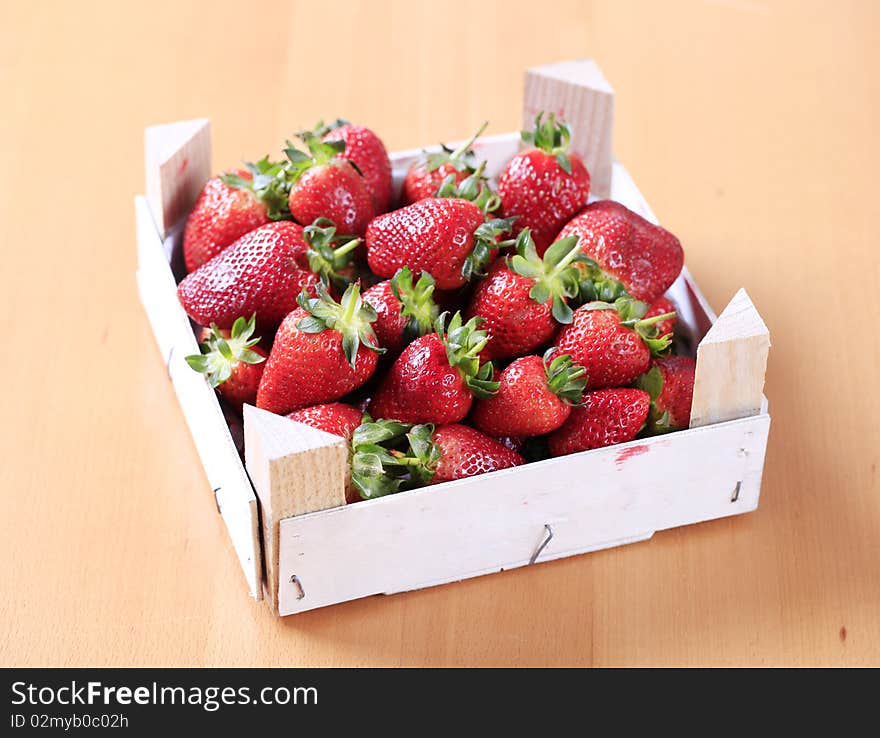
[
  {"x": 843, "y": 634},
  {"x": 628, "y": 453},
  {"x": 183, "y": 165}
]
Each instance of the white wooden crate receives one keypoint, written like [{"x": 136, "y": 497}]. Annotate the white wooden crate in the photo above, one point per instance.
[{"x": 303, "y": 557}]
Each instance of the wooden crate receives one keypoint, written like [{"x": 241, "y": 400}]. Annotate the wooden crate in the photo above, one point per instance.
[{"x": 303, "y": 548}]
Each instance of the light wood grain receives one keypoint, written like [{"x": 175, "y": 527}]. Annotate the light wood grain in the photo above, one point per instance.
[
  {"x": 295, "y": 470},
  {"x": 591, "y": 500},
  {"x": 750, "y": 128},
  {"x": 177, "y": 163},
  {"x": 731, "y": 364}
]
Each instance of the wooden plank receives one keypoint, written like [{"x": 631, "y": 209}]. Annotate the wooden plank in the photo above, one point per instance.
[
  {"x": 496, "y": 521},
  {"x": 295, "y": 469},
  {"x": 578, "y": 93},
  {"x": 226, "y": 475},
  {"x": 177, "y": 163},
  {"x": 731, "y": 363}
]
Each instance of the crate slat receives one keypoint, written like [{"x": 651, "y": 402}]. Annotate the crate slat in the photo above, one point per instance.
[{"x": 591, "y": 500}]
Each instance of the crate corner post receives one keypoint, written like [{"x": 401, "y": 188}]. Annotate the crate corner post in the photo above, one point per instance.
[
  {"x": 177, "y": 163},
  {"x": 731, "y": 364},
  {"x": 295, "y": 469},
  {"x": 577, "y": 92}
]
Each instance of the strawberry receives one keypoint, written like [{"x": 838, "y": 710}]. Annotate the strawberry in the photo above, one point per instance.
[
  {"x": 544, "y": 186},
  {"x": 523, "y": 299},
  {"x": 324, "y": 186},
  {"x": 231, "y": 205},
  {"x": 456, "y": 451},
  {"x": 535, "y": 396},
  {"x": 335, "y": 418},
  {"x": 406, "y": 310},
  {"x": 613, "y": 343},
  {"x": 424, "y": 176},
  {"x": 643, "y": 257},
  {"x": 231, "y": 361},
  {"x": 670, "y": 383},
  {"x": 367, "y": 152},
  {"x": 322, "y": 351},
  {"x": 436, "y": 377},
  {"x": 606, "y": 417},
  {"x": 448, "y": 237},
  {"x": 263, "y": 273},
  {"x": 663, "y": 306}
]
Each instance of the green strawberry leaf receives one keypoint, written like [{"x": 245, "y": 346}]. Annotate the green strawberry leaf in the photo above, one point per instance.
[
  {"x": 462, "y": 158},
  {"x": 351, "y": 317},
  {"x": 565, "y": 379},
  {"x": 555, "y": 276},
  {"x": 219, "y": 356}
]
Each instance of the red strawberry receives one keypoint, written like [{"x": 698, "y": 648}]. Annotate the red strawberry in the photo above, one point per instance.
[
  {"x": 323, "y": 186},
  {"x": 644, "y": 257},
  {"x": 335, "y": 418},
  {"x": 534, "y": 397},
  {"x": 670, "y": 383},
  {"x": 231, "y": 205},
  {"x": 263, "y": 273},
  {"x": 447, "y": 237},
  {"x": 523, "y": 299},
  {"x": 231, "y": 361},
  {"x": 367, "y": 152},
  {"x": 663, "y": 306},
  {"x": 406, "y": 310},
  {"x": 322, "y": 351},
  {"x": 425, "y": 176},
  {"x": 607, "y": 417},
  {"x": 455, "y": 452},
  {"x": 436, "y": 377},
  {"x": 613, "y": 343},
  {"x": 545, "y": 185}
]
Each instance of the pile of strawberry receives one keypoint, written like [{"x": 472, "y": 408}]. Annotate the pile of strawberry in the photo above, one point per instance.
[{"x": 466, "y": 331}]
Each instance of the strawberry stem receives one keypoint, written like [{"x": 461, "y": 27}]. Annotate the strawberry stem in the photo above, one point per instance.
[
  {"x": 464, "y": 343},
  {"x": 474, "y": 188},
  {"x": 325, "y": 260},
  {"x": 551, "y": 137},
  {"x": 351, "y": 317},
  {"x": 268, "y": 183},
  {"x": 461, "y": 159},
  {"x": 220, "y": 355},
  {"x": 465, "y": 147},
  {"x": 565, "y": 379},
  {"x": 417, "y": 302},
  {"x": 382, "y": 464},
  {"x": 555, "y": 276},
  {"x": 644, "y": 322}
]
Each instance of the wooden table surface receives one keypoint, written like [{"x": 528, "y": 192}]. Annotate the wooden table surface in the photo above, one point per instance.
[{"x": 750, "y": 126}]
